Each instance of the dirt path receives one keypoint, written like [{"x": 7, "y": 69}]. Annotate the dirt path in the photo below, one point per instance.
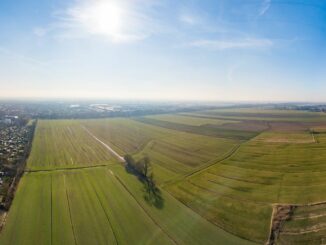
[{"x": 120, "y": 158}]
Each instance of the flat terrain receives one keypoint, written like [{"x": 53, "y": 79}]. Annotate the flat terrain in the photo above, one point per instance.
[
  {"x": 219, "y": 175},
  {"x": 261, "y": 114},
  {"x": 87, "y": 197},
  {"x": 173, "y": 152},
  {"x": 101, "y": 206},
  {"x": 274, "y": 167},
  {"x": 187, "y": 120},
  {"x": 65, "y": 144}
]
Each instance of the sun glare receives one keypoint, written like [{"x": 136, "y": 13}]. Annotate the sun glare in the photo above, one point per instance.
[
  {"x": 103, "y": 17},
  {"x": 118, "y": 20},
  {"x": 107, "y": 17}
]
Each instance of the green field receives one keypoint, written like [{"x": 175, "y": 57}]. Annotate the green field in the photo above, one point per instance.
[
  {"x": 173, "y": 153},
  {"x": 65, "y": 144},
  {"x": 101, "y": 206},
  {"x": 218, "y": 180},
  {"x": 187, "y": 120},
  {"x": 260, "y": 114},
  {"x": 274, "y": 167}
]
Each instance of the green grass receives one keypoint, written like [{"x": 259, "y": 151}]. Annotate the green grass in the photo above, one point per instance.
[
  {"x": 65, "y": 144},
  {"x": 86, "y": 207},
  {"x": 193, "y": 121},
  {"x": 95, "y": 205},
  {"x": 207, "y": 130},
  {"x": 237, "y": 193},
  {"x": 124, "y": 135},
  {"x": 100, "y": 206},
  {"x": 260, "y": 114},
  {"x": 29, "y": 220},
  {"x": 173, "y": 153},
  {"x": 213, "y": 191},
  {"x": 182, "y": 224}
]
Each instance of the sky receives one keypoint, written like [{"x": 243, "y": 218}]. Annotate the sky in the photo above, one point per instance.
[{"x": 203, "y": 50}]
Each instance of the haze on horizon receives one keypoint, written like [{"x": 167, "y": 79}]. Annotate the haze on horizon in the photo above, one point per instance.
[{"x": 225, "y": 50}]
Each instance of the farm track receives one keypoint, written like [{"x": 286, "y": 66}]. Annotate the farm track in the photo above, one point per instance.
[
  {"x": 120, "y": 158},
  {"x": 230, "y": 176}
]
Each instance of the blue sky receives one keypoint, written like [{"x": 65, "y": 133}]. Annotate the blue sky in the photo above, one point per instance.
[{"x": 221, "y": 50}]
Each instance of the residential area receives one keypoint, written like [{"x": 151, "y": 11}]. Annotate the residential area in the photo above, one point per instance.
[{"x": 16, "y": 134}]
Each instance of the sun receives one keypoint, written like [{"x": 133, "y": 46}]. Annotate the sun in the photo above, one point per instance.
[
  {"x": 121, "y": 21},
  {"x": 105, "y": 17}
]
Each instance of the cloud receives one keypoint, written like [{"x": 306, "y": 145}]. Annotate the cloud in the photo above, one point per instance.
[
  {"x": 188, "y": 19},
  {"x": 191, "y": 16},
  {"x": 119, "y": 21},
  {"x": 39, "y": 31},
  {"x": 20, "y": 57},
  {"x": 266, "y": 4},
  {"x": 233, "y": 44}
]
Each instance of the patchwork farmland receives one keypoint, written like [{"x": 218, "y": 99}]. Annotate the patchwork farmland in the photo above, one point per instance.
[{"x": 220, "y": 176}]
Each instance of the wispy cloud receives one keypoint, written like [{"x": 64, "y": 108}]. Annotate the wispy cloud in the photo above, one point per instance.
[
  {"x": 190, "y": 16},
  {"x": 40, "y": 32},
  {"x": 188, "y": 19},
  {"x": 20, "y": 57},
  {"x": 233, "y": 44},
  {"x": 119, "y": 21},
  {"x": 266, "y": 4}
]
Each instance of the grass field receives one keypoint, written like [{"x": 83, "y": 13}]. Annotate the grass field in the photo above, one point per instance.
[
  {"x": 79, "y": 206},
  {"x": 272, "y": 168},
  {"x": 207, "y": 130},
  {"x": 172, "y": 152},
  {"x": 260, "y": 114},
  {"x": 218, "y": 181},
  {"x": 65, "y": 144},
  {"x": 187, "y": 120},
  {"x": 100, "y": 206}
]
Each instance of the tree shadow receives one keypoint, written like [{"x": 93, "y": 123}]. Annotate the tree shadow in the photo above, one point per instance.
[{"x": 152, "y": 194}]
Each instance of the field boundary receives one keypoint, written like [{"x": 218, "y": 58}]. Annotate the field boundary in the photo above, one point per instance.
[
  {"x": 71, "y": 223},
  {"x": 207, "y": 166},
  {"x": 141, "y": 206},
  {"x": 66, "y": 169},
  {"x": 275, "y": 228},
  {"x": 107, "y": 215},
  {"x": 227, "y": 231},
  {"x": 51, "y": 213}
]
